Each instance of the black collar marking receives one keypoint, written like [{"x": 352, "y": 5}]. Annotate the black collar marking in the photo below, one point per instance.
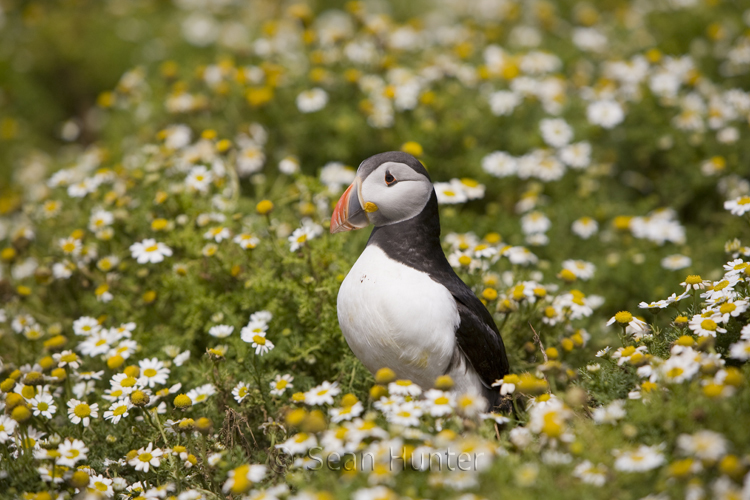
[{"x": 416, "y": 243}]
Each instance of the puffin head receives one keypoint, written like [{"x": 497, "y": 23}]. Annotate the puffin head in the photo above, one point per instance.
[{"x": 389, "y": 188}]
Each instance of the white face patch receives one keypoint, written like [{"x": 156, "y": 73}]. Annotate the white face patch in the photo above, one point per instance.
[{"x": 400, "y": 196}]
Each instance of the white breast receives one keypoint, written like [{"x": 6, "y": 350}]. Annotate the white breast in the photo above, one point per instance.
[{"x": 397, "y": 317}]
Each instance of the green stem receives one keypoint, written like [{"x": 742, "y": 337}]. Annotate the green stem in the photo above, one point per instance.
[
  {"x": 258, "y": 381},
  {"x": 505, "y": 320}
]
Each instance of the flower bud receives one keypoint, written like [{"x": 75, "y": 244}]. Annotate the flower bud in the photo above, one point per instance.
[{"x": 183, "y": 401}]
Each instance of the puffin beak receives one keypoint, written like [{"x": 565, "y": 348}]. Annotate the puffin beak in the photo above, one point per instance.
[{"x": 349, "y": 213}]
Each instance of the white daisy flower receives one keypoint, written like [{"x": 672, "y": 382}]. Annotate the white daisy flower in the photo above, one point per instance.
[
  {"x": 202, "y": 393},
  {"x": 298, "y": 444},
  {"x": 589, "y": 473},
  {"x": 118, "y": 410},
  {"x": 299, "y": 238},
  {"x": 406, "y": 414},
  {"x": 605, "y": 113},
  {"x": 221, "y": 331},
  {"x": 147, "y": 458},
  {"x": 449, "y": 193},
  {"x": 576, "y": 155},
  {"x": 218, "y": 234},
  {"x": 706, "y": 326},
  {"x": 102, "y": 486},
  {"x": 257, "y": 339},
  {"x": 676, "y": 262},
  {"x": 322, "y": 394},
  {"x": 100, "y": 219},
  {"x": 43, "y": 404},
  {"x": 740, "y": 350},
  {"x": 312, "y": 100},
  {"x": 404, "y": 388},
  {"x": 280, "y": 384},
  {"x": 556, "y": 132},
  {"x": 80, "y": 412},
  {"x": 642, "y": 459},
  {"x": 71, "y": 451},
  {"x": 346, "y": 412},
  {"x": 153, "y": 372},
  {"x": 254, "y": 473},
  {"x": 738, "y": 206},
  {"x": 86, "y": 325},
  {"x": 705, "y": 445},
  {"x": 246, "y": 241},
  {"x": 585, "y": 227},
  {"x": 150, "y": 251},
  {"x": 7, "y": 427},
  {"x": 440, "y": 403},
  {"x": 240, "y": 391},
  {"x": 499, "y": 164}
]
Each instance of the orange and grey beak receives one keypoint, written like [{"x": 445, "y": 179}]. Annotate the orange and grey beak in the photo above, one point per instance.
[{"x": 349, "y": 213}]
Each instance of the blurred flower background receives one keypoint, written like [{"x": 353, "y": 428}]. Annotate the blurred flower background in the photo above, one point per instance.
[{"x": 168, "y": 284}]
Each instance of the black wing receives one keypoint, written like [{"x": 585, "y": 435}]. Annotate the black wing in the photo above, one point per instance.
[{"x": 477, "y": 335}]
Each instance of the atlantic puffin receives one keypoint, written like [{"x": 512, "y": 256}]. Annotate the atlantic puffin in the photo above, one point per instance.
[{"x": 402, "y": 306}]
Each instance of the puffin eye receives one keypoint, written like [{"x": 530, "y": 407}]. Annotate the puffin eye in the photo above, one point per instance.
[{"x": 389, "y": 179}]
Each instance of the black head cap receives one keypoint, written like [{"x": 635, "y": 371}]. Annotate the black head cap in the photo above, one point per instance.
[{"x": 373, "y": 162}]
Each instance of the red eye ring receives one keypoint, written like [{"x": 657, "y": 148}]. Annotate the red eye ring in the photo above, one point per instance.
[{"x": 389, "y": 179}]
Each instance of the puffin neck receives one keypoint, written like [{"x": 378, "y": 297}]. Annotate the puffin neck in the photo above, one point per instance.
[{"x": 414, "y": 241}]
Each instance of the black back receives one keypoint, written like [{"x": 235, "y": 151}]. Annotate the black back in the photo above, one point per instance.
[{"x": 416, "y": 243}]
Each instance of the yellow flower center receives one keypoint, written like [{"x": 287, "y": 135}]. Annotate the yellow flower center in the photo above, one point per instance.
[
  {"x": 628, "y": 351},
  {"x": 301, "y": 238},
  {"x": 745, "y": 200},
  {"x": 675, "y": 372},
  {"x": 150, "y": 372},
  {"x": 119, "y": 410},
  {"x": 708, "y": 324},
  {"x": 448, "y": 192},
  {"x": 623, "y": 317},
  {"x": 68, "y": 358},
  {"x": 73, "y": 453},
  {"x": 82, "y": 410},
  {"x": 727, "y": 308},
  {"x": 442, "y": 400},
  {"x": 145, "y": 457},
  {"x": 128, "y": 382},
  {"x": 69, "y": 247},
  {"x": 259, "y": 340},
  {"x": 464, "y": 260},
  {"x": 281, "y": 384},
  {"x": 243, "y": 392},
  {"x": 721, "y": 285},
  {"x": 552, "y": 427},
  {"x": 693, "y": 279},
  {"x": 152, "y": 248},
  {"x": 100, "y": 486},
  {"x": 42, "y": 406}
]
